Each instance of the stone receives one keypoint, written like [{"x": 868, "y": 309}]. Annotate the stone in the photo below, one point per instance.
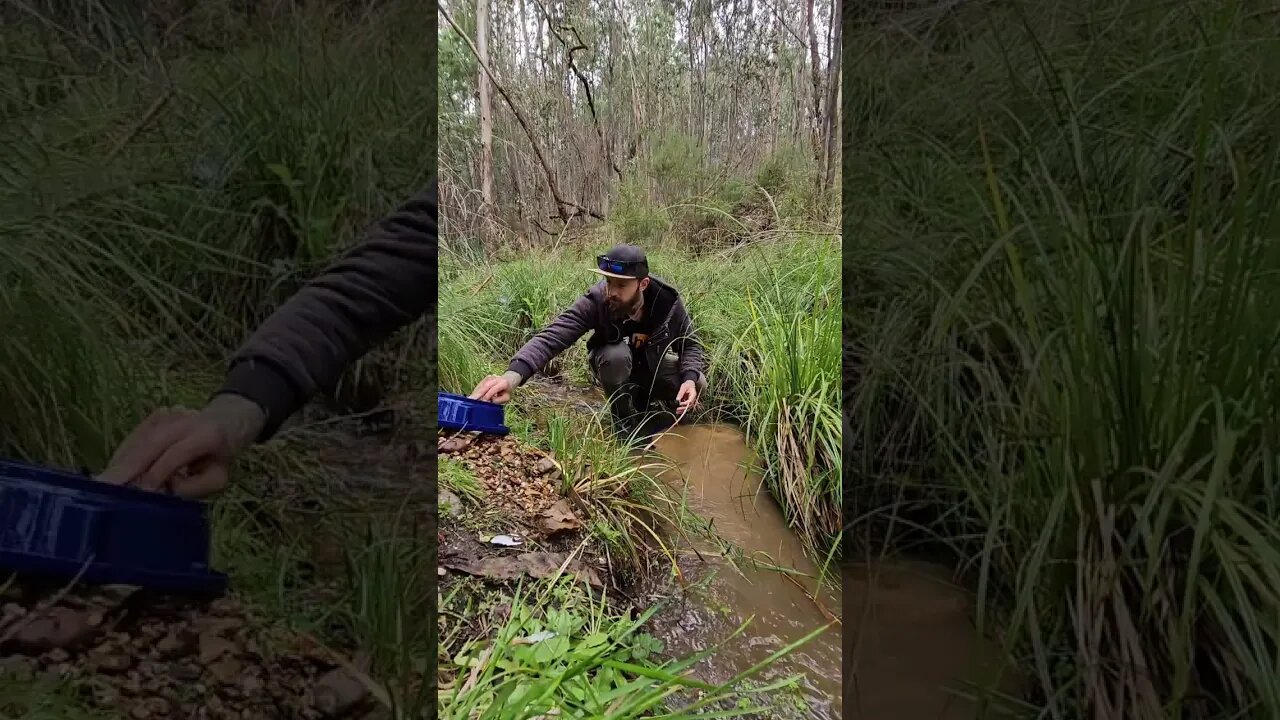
[
  {"x": 450, "y": 504},
  {"x": 336, "y": 693}
]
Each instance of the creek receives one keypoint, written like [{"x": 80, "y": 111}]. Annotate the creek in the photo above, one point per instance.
[
  {"x": 908, "y": 637},
  {"x": 906, "y": 650}
]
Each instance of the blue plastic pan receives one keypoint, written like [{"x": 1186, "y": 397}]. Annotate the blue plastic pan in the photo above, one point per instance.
[
  {"x": 459, "y": 413},
  {"x": 55, "y": 524}
]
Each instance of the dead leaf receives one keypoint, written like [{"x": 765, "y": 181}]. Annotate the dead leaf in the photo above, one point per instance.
[
  {"x": 534, "y": 564},
  {"x": 559, "y": 518},
  {"x": 57, "y": 627},
  {"x": 213, "y": 647}
]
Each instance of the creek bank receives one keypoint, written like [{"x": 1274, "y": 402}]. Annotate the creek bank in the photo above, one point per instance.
[{"x": 518, "y": 525}]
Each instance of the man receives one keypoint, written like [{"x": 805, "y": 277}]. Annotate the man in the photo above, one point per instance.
[
  {"x": 643, "y": 348},
  {"x": 383, "y": 284}
]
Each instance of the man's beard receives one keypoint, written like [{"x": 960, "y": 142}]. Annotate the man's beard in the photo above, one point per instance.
[{"x": 620, "y": 311}]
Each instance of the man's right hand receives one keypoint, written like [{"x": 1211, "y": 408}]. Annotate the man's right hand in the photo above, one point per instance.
[
  {"x": 184, "y": 451},
  {"x": 497, "y": 388}
]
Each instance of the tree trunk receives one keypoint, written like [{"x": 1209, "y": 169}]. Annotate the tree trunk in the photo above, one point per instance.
[
  {"x": 816, "y": 75},
  {"x": 833, "y": 99},
  {"x": 486, "y": 111},
  {"x": 775, "y": 86}
]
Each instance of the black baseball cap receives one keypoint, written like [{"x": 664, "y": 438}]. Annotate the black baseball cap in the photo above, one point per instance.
[{"x": 623, "y": 261}]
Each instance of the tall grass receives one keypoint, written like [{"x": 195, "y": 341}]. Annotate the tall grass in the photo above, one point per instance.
[
  {"x": 156, "y": 201},
  {"x": 1062, "y": 362}
]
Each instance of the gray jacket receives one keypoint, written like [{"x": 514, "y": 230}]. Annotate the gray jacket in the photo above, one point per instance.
[
  {"x": 671, "y": 329},
  {"x": 378, "y": 287}
]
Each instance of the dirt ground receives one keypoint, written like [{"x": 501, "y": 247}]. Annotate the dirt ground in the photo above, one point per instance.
[
  {"x": 136, "y": 654},
  {"x": 522, "y": 502},
  {"x": 149, "y": 657}
]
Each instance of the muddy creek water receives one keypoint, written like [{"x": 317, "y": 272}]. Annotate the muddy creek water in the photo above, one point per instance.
[
  {"x": 712, "y": 470},
  {"x": 909, "y": 639}
]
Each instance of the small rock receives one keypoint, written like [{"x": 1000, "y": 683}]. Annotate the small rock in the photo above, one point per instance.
[
  {"x": 454, "y": 444},
  {"x": 224, "y": 606},
  {"x": 546, "y": 465},
  {"x": 337, "y": 692},
  {"x": 60, "y": 671},
  {"x": 183, "y": 673},
  {"x": 216, "y": 625},
  {"x": 105, "y": 694},
  {"x": 250, "y": 684},
  {"x": 171, "y": 645},
  {"x": 18, "y": 667},
  {"x": 111, "y": 661},
  {"x": 226, "y": 670},
  {"x": 450, "y": 503}
]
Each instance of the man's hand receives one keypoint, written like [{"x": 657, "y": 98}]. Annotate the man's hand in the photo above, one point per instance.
[
  {"x": 497, "y": 388},
  {"x": 185, "y": 452},
  {"x": 687, "y": 397}
]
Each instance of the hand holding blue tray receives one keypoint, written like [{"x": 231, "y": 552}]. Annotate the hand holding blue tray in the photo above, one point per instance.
[{"x": 63, "y": 525}]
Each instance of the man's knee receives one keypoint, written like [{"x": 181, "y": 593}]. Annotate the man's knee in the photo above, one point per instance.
[{"x": 612, "y": 364}]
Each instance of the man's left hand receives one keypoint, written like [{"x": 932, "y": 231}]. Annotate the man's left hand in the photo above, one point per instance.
[{"x": 687, "y": 397}]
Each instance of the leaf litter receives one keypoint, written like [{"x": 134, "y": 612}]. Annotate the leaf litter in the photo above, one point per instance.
[
  {"x": 521, "y": 488},
  {"x": 151, "y": 657}
]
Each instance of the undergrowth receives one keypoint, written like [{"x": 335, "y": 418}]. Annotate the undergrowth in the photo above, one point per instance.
[
  {"x": 1060, "y": 338},
  {"x": 158, "y": 198},
  {"x": 559, "y": 648}
]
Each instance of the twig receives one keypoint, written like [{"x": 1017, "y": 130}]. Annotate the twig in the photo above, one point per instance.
[
  {"x": 146, "y": 119},
  {"x": 816, "y": 601},
  {"x": 375, "y": 689},
  {"x": 663, "y": 434}
]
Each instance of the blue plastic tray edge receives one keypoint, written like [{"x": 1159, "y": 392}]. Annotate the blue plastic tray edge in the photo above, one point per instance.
[
  {"x": 500, "y": 430},
  {"x": 209, "y": 581},
  {"x": 469, "y": 401},
  {"x": 79, "y": 482}
]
